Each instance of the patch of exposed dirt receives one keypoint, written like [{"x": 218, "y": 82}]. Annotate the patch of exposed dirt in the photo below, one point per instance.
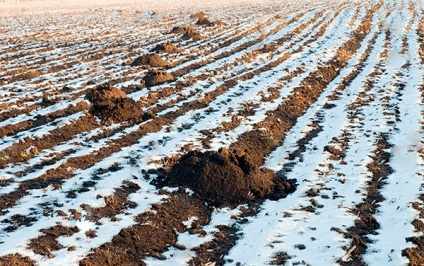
[
  {"x": 166, "y": 48},
  {"x": 366, "y": 224},
  {"x": 155, "y": 232},
  {"x": 226, "y": 178},
  {"x": 112, "y": 105},
  {"x": 206, "y": 22},
  {"x": 187, "y": 33},
  {"x": 152, "y": 60},
  {"x": 198, "y": 15},
  {"x": 416, "y": 254},
  {"x": 115, "y": 203},
  {"x": 15, "y": 260},
  {"x": 155, "y": 77},
  {"x": 215, "y": 250},
  {"x": 10, "y": 199},
  {"x": 40, "y": 120},
  {"x": 45, "y": 244}
]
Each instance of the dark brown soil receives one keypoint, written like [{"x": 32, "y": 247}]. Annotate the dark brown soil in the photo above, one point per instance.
[
  {"x": 226, "y": 177},
  {"x": 15, "y": 260},
  {"x": 366, "y": 224},
  {"x": 152, "y": 60},
  {"x": 155, "y": 77},
  {"x": 166, "y": 48},
  {"x": 208, "y": 23},
  {"x": 416, "y": 254},
  {"x": 198, "y": 15},
  {"x": 203, "y": 22},
  {"x": 45, "y": 244},
  {"x": 115, "y": 203},
  {"x": 187, "y": 33},
  {"x": 216, "y": 249},
  {"x": 154, "y": 233},
  {"x": 112, "y": 105}
]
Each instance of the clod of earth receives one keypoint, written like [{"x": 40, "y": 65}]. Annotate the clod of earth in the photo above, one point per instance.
[
  {"x": 208, "y": 23},
  {"x": 203, "y": 22},
  {"x": 152, "y": 60},
  {"x": 187, "y": 33},
  {"x": 112, "y": 105},
  {"x": 227, "y": 178},
  {"x": 155, "y": 77},
  {"x": 199, "y": 15},
  {"x": 166, "y": 48}
]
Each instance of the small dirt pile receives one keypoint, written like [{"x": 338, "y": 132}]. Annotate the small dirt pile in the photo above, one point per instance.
[
  {"x": 198, "y": 15},
  {"x": 152, "y": 60},
  {"x": 166, "y": 48},
  {"x": 112, "y": 105},
  {"x": 203, "y": 22},
  {"x": 187, "y": 33},
  {"x": 206, "y": 22},
  {"x": 155, "y": 77},
  {"x": 227, "y": 178}
]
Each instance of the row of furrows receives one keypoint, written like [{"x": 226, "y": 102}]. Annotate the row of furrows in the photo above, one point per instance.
[
  {"x": 12, "y": 147},
  {"x": 130, "y": 39},
  {"x": 21, "y": 126},
  {"x": 39, "y": 95},
  {"x": 76, "y": 161},
  {"x": 76, "y": 68},
  {"x": 115, "y": 243},
  {"x": 101, "y": 250},
  {"x": 312, "y": 169}
]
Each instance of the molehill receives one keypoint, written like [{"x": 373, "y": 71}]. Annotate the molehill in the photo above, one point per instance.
[
  {"x": 111, "y": 105},
  {"x": 227, "y": 178}
]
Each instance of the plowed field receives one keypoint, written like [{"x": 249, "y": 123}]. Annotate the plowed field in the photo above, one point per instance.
[{"x": 227, "y": 133}]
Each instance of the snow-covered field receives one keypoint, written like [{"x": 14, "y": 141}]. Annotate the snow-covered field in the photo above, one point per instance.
[{"x": 336, "y": 87}]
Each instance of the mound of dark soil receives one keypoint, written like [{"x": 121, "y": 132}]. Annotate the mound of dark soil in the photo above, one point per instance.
[
  {"x": 152, "y": 60},
  {"x": 187, "y": 33},
  {"x": 155, "y": 77},
  {"x": 112, "y": 105},
  {"x": 208, "y": 23},
  {"x": 166, "y": 48},
  {"x": 217, "y": 23},
  {"x": 227, "y": 178},
  {"x": 203, "y": 22},
  {"x": 199, "y": 15}
]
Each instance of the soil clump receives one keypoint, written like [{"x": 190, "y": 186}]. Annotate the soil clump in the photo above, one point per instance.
[
  {"x": 111, "y": 105},
  {"x": 155, "y": 77},
  {"x": 198, "y": 15},
  {"x": 227, "y": 178},
  {"x": 166, "y": 48},
  {"x": 187, "y": 33},
  {"x": 152, "y": 60},
  {"x": 206, "y": 22}
]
